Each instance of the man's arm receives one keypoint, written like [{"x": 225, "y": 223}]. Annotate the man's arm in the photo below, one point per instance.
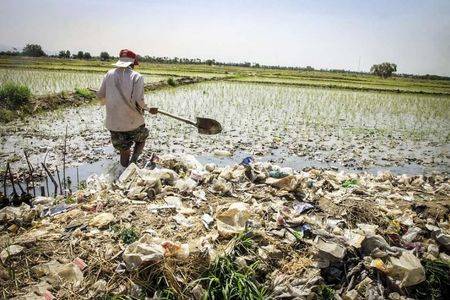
[
  {"x": 101, "y": 93},
  {"x": 138, "y": 96}
]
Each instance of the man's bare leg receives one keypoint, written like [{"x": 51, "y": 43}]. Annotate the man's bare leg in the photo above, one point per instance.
[
  {"x": 125, "y": 157},
  {"x": 138, "y": 148}
]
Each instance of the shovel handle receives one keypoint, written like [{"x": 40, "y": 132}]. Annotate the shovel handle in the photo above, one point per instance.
[{"x": 176, "y": 117}]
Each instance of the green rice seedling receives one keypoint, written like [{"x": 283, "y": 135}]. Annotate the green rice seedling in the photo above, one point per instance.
[{"x": 43, "y": 82}]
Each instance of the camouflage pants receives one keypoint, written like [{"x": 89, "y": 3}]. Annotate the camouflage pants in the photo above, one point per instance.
[{"x": 124, "y": 140}]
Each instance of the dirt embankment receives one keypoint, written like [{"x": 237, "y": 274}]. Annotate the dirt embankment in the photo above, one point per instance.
[{"x": 80, "y": 96}]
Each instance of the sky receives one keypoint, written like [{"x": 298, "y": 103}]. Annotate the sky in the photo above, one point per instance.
[{"x": 329, "y": 34}]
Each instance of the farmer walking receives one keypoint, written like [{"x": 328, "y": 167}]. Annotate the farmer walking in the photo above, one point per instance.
[{"x": 122, "y": 91}]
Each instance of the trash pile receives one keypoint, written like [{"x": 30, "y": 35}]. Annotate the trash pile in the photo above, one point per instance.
[{"x": 184, "y": 230}]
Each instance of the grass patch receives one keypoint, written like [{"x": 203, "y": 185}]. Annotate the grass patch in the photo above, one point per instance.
[
  {"x": 226, "y": 280},
  {"x": 13, "y": 96},
  {"x": 84, "y": 93},
  {"x": 349, "y": 183},
  {"x": 437, "y": 283},
  {"x": 326, "y": 292},
  {"x": 127, "y": 235}
]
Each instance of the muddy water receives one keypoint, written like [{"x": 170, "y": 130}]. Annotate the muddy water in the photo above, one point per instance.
[{"x": 292, "y": 126}]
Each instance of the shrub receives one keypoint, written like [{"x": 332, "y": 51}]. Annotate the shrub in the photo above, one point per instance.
[
  {"x": 14, "y": 95},
  {"x": 171, "y": 82}
]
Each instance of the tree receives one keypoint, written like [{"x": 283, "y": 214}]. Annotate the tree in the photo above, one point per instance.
[
  {"x": 64, "y": 54},
  {"x": 80, "y": 54},
  {"x": 33, "y": 50},
  {"x": 384, "y": 70},
  {"x": 104, "y": 55},
  {"x": 87, "y": 55}
]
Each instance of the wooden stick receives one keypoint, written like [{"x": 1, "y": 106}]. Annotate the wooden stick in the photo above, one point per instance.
[
  {"x": 20, "y": 187},
  {"x": 59, "y": 181},
  {"x": 64, "y": 161},
  {"x": 46, "y": 184},
  {"x": 51, "y": 178},
  {"x": 31, "y": 170},
  {"x": 11, "y": 178},
  {"x": 78, "y": 179},
  {"x": 4, "y": 179},
  {"x": 30, "y": 166}
]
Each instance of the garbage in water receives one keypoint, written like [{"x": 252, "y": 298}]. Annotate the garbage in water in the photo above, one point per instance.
[{"x": 174, "y": 228}]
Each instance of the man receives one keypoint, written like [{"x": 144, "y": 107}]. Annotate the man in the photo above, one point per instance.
[{"x": 122, "y": 91}]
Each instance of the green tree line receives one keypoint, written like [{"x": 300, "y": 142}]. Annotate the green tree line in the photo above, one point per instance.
[{"x": 383, "y": 70}]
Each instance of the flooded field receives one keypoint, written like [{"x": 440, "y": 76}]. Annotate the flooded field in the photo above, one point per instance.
[
  {"x": 292, "y": 126},
  {"x": 43, "y": 82}
]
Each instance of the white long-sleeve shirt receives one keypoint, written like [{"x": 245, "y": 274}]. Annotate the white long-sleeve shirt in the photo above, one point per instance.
[{"x": 119, "y": 115}]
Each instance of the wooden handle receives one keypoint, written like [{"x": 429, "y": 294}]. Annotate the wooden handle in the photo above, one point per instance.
[{"x": 177, "y": 117}]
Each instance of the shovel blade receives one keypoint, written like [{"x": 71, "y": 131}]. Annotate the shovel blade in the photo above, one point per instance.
[{"x": 208, "y": 126}]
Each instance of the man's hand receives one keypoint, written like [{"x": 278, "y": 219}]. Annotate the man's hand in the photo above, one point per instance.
[{"x": 153, "y": 110}]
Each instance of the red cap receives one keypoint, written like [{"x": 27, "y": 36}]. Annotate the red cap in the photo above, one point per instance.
[{"x": 129, "y": 54}]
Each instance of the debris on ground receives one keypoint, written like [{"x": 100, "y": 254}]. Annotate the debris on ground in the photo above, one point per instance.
[{"x": 250, "y": 231}]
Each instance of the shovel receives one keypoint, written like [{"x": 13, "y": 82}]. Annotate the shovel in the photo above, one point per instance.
[{"x": 204, "y": 125}]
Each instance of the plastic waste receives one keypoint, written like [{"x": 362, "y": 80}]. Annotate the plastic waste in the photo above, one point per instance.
[
  {"x": 152, "y": 249},
  {"x": 247, "y": 161},
  {"x": 407, "y": 268},
  {"x": 185, "y": 185},
  {"x": 301, "y": 207},
  {"x": 10, "y": 251},
  {"x": 288, "y": 183},
  {"x": 329, "y": 250},
  {"x": 411, "y": 234},
  {"x": 277, "y": 174},
  {"x": 207, "y": 220},
  {"x": 222, "y": 153},
  {"x": 102, "y": 220},
  {"x": 233, "y": 220},
  {"x": 444, "y": 240}
]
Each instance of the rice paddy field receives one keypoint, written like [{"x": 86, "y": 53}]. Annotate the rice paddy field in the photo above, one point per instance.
[
  {"x": 43, "y": 82},
  {"x": 297, "y": 125}
]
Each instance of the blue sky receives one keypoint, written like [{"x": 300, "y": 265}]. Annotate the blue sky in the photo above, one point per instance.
[{"x": 346, "y": 34}]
